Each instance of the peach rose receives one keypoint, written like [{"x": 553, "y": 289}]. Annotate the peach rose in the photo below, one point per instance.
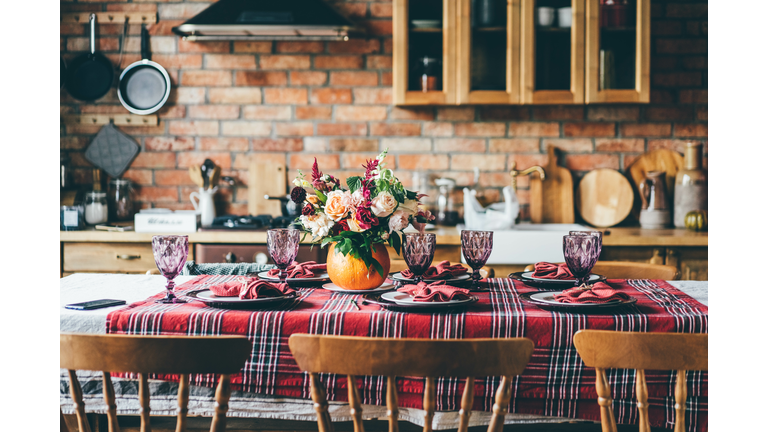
[
  {"x": 338, "y": 204},
  {"x": 384, "y": 204},
  {"x": 314, "y": 200},
  {"x": 353, "y": 225}
]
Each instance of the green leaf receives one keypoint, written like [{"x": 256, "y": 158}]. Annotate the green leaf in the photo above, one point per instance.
[
  {"x": 321, "y": 196},
  {"x": 378, "y": 267},
  {"x": 394, "y": 241},
  {"x": 410, "y": 195},
  {"x": 354, "y": 183}
]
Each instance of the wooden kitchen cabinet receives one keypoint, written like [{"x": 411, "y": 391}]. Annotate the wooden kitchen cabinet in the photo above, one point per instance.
[{"x": 107, "y": 258}]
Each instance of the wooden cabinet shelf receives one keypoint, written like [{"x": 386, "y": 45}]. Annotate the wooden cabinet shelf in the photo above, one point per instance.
[{"x": 509, "y": 59}]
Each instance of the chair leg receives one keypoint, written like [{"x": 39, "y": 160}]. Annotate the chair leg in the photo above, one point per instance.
[
  {"x": 223, "y": 391},
  {"x": 681, "y": 393},
  {"x": 605, "y": 401},
  {"x": 77, "y": 398},
  {"x": 430, "y": 400},
  {"x": 503, "y": 394},
  {"x": 467, "y": 400},
  {"x": 392, "y": 411},
  {"x": 321, "y": 404}
]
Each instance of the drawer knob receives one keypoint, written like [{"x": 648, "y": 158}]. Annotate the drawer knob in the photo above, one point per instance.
[{"x": 129, "y": 257}]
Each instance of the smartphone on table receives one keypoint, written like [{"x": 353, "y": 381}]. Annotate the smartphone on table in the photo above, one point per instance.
[{"x": 95, "y": 304}]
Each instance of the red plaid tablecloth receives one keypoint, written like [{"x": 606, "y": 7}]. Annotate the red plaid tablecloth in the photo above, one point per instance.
[{"x": 555, "y": 382}]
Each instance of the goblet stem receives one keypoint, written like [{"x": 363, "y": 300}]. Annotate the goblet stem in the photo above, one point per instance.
[
  {"x": 169, "y": 296},
  {"x": 417, "y": 279},
  {"x": 283, "y": 275},
  {"x": 476, "y": 279}
]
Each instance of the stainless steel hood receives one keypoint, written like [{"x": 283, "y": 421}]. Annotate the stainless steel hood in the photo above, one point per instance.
[{"x": 267, "y": 20}]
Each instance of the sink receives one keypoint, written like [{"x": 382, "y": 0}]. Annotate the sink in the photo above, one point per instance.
[{"x": 529, "y": 243}]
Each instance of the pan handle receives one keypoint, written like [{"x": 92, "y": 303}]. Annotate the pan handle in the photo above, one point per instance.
[
  {"x": 93, "y": 33},
  {"x": 145, "y": 53}
]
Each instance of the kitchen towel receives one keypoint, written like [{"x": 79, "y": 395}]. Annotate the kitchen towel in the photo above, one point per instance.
[
  {"x": 545, "y": 270},
  {"x": 434, "y": 292},
  {"x": 302, "y": 270},
  {"x": 444, "y": 270},
  {"x": 599, "y": 293}
]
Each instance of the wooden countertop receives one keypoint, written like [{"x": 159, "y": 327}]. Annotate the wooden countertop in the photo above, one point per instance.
[{"x": 445, "y": 236}]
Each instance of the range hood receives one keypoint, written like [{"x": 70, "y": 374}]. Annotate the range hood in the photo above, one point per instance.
[{"x": 267, "y": 20}]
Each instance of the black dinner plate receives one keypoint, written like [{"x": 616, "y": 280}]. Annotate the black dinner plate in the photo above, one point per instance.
[
  {"x": 552, "y": 285},
  {"x": 432, "y": 308},
  {"x": 577, "y": 307}
]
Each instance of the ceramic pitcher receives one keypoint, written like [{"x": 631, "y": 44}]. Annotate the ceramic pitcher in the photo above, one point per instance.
[
  {"x": 202, "y": 200},
  {"x": 653, "y": 191}
]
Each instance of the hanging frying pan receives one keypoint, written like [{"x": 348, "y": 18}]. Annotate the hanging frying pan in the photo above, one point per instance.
[
  {"x": 144, "y": 85},
  {"x": 62, "y": 72},
  {"x": 90, "y": 76}
]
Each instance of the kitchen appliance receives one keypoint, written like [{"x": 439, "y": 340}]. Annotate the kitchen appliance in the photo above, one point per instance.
[
  {"x": 265, "y": 20},
  {"x": 247, "y": 223},
  {"x": 690, "y": 184},
  {"x": 112, "y": 150},
  {"x": 90, "y": 76},
  {"x": 604, "y": 197},
  {"x": 144, "y": 85},
  {"x": 655, "y": 213},
  {"x": 552, "y": 198}
]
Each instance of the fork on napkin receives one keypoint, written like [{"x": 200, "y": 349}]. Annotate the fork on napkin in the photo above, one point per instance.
[
  {"x": 545, "y": 270},
  {"x": 301, "y": 270},
  {"x": 597, "y": 293},
  {"x": 434, "y": 292},
  {"x": 250, "y": 288},
  {"x": 443, "y": 270}
]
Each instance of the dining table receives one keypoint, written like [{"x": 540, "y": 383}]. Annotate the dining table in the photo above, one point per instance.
[{"x": 555, "y": 386}]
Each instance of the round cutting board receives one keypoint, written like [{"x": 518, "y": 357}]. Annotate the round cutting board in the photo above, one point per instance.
[{"x": 604, "y": 197}]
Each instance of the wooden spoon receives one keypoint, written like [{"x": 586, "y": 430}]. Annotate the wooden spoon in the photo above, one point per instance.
[{"x": 196, "y": 176}]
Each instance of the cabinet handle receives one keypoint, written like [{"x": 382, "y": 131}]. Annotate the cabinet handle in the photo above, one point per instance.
[{"x": 129, "y": 257}]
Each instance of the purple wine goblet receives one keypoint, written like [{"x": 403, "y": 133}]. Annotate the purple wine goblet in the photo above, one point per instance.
[
  {"x": 418, "y": 252},
  {"x": 598, "y": 234},
  {"x": 170, "y": 253},
  {"x": 283, "y": 245},
  {"x": 581, "y": 253},
  {"x": 476, "y": 247}
]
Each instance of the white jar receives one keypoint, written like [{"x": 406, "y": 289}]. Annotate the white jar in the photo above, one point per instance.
[
  {"x": 564, "y": 17},
  {"x": 96, "y": 211}
]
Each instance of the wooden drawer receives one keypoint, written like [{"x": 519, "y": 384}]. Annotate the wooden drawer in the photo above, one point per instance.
[{"x": 108, "y": 257}]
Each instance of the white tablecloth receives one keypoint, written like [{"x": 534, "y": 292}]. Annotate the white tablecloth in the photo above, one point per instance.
[{"x": 131, "y": 288}]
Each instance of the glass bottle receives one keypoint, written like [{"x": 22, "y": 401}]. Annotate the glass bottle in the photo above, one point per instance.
[
  {"x": 429, "y": 70},
  {"x": 96, "y": 207},
  {"x": 690, "y": 185},
  {"x": 120, "y": 200},
  {"x": 446, "y": 214}
]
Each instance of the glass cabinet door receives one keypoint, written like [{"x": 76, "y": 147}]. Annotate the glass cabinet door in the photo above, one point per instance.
[
  {"x": 424, "y": 39},
  {"x": 489, "y": 51},
  {"x": 618, "y": 50},
  {"x": 552, "y": 51}
]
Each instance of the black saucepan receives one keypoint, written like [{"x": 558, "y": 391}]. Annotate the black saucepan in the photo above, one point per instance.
[
  {"x": 90, "y": 76},
  {"x": 144, "y": 85}
]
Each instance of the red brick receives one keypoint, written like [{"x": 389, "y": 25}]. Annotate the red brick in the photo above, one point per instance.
[
  {"x": 83, "y": 44},
  {"x": 456, "y": 113},
  {"x": 355, "y": 46},
  {"x": 243, "y": 160},
  {"x": 681, "y": 46},
  {"x": 172, "y": 178},
  {"x": 230, "y": 61},
  {"x": 314, "y": 144},
  {"x": 691, "y": 130},
  {"x": 677, "y": 145},
  {"x": 378, "y": 62},
  {"x": 160, "y": 28},
  {"x": 645, "y": 129},
  {"x": 462, "y": 145},
  {"x": 304, "y": 162},
  {"x": 294, "y": 129},
  {"x": 285, "y": 96},
  {"x": 188, "y": 159},
  {"x": 513, "y": 145},
  {"x": 224, "y": 144},
  {"x": 378, "y": 28},
  {"x": 666, "y": 28},
  {"x": 179, "y": 61},
  {"x": 299, "y": 47},
  {"x": 282, "y": 144},
  {"x": 524, "y": 161},
  {"x": 612, "y": 113},
  {"x": 483, "y": 161},
  {"x": 157, "y": 194},
  {"x": 338, "y": 62},
  {"x": 589, "y": 129},
  {"x": 693, "y": 96},
  {"x": 311, "y": 78},
  {"x": 246, "y": 128},
  {"x": 437, "y": 129},
  {"x": 480, "y": 129},
  {"x": 331, "y": 96},
  {"x": 629, "y": 160},
  {"x": 260, "y": 78},
  {"x": 381, "y": 10},
  {"x": 677, "y": 79},
  {"x": 669, "y": 113},
  {"x": 422, "y": 162},
  {"x": 193, "y": 127},
  {"x": 395, "y": 129},
  {"x": 662, "y": 97},
  {"x": 313, "y": 113},
  {"x": 203, "y": 47},
  {"x": 407, "y": 145},
  {"x": 375, "y": 96},
  {"x": 534, "y": 129},
  {"x": 349, "y": 129},
  {"x": 172, "y": 112},
  {"x": 411, "y": 113},
  {"x": 356, "y": 78},
  {"x": 636, "y": 145},
  {"x": 701, "y": 113},
  {"x": 386, "y": 78},
  {"x": 663, "y": 63},
  {"x": 139, "y": 176},
  {"x": 361, "y": 113},
  {"x": 169, "y": 143},
  {"x": 356, "y": 160},
  {"x": 558, "y": 113},
  {"x": 588, "y": 162},
  {"x": 257, "y": 112},
  {"x": 284, "y": 62},
  {"x": 695, "y": 62},
  {"x": 499, "y": 113},
  {"x": 102, "y": 109},
  {"x": 214, "y": 111},
  {"x": 354, "y": 145},
  {"x": 131, "y": 7},
  {"x": 264, "y": 47},
  {"x": 154, "y": 160},
  {"x": 351, "y": 10},
  {"x": 241, "y": 95},
  {"x": 180, "y": 10},
  {"x": 578, "y": 145},
  {"x": 79, "y": 143},
  {"x": 187, "y": 95}
]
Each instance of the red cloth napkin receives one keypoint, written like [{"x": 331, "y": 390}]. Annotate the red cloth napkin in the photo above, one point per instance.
[
  {"x": 443, "y": 270},
  {"x": 434, "y": 292},
  {"x": 545, "y": 270},
  {"x": 304, "y": 270},
  {"x": 599, "y": 293},
  {"x": 250, "y": 288}
]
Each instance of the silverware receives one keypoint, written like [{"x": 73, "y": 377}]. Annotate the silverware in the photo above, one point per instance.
[{"x": 355, "y": 303}]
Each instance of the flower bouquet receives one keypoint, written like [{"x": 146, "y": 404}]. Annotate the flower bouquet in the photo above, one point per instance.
[{"x": 373, "y": 210}]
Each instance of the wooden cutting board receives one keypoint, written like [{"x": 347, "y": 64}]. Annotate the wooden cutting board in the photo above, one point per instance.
[
  {"x": 657, "y": 160},
  {"x": 551, "y": 200},
  {"x": 604, "y": 197},
  {"x": 265, "y": 179}
]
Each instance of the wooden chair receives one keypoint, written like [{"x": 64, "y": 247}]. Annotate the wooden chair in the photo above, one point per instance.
[
  {"x": 183, "y": 355},
  {"x": 427, "y": 358},
  {"x": 631, "y": 270},
  {"x": 604, "y": 349},
  {"x": 400, "y": 265}
]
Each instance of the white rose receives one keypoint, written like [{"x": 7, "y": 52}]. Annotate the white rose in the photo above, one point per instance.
[
  {"x": 398, "y": 221},
  {"x": 357, "y": 198},
  {"x": 410, "y": 207},
  {"x": 384, "y": 204},
  {"x": 319, "y": 224},
  {"x": 352, "y": 223}
]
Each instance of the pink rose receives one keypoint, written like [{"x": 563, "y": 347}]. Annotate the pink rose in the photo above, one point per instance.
[{"x": 398, "y": 221}]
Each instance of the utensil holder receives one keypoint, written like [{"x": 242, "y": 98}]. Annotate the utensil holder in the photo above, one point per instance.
[{"x": 202, "y": 201}]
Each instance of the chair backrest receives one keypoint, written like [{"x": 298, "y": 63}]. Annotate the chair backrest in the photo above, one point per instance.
[
  {"x": 182, "y": 355},
  {"x": 428, "y": 358},
  {"x": 603, "y": 349},
  {"x": 631, "y": 270}
]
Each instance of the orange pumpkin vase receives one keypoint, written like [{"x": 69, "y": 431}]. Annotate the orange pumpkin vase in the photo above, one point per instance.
[{"x": 351, "y": 273}]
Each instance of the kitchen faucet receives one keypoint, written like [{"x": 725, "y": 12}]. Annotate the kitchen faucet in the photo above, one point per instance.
[{"x": 514, "y": 173}]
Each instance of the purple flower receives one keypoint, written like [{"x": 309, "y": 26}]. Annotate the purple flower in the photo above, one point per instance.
[{"x": 298, "y": 195}]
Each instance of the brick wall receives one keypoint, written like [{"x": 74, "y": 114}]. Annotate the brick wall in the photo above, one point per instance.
[{"x": 289, "y": 101}]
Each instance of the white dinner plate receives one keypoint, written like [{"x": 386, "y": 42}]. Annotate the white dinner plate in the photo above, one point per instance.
[
  {"x": 265, "y": 275},
  {"x": 207, "y": 296},
  {"x": 398, "y": 277},
  {"x": 406, "y": 299},
  {"x": 529, "y": 275},
  {"x": 426, "y": 23},
  {"x": 549, "y": 297},
  {"x": 335, "y": 288}
]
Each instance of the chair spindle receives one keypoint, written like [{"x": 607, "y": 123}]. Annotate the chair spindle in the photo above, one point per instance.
[
  {"x": 321, "y": 404},
  {"x": 77, "y": 399},
  {"x": 503, "y": 395},
  {"x": 681, "y": 393},
  {"x": 642, "y": 400},
  {"x": 183, "y": 401},
  {"x": 223, "y": 390},
  {"x": 109, "y": 399},
  {"x": 392, "y": 410},
  {"x": 144, "y": 403},
  {"x": 354, "y": 404},
  {"x": 604, "y": 400},
  {"x": 430, "y": 397},
  {"x": 467, "y": 400}
]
